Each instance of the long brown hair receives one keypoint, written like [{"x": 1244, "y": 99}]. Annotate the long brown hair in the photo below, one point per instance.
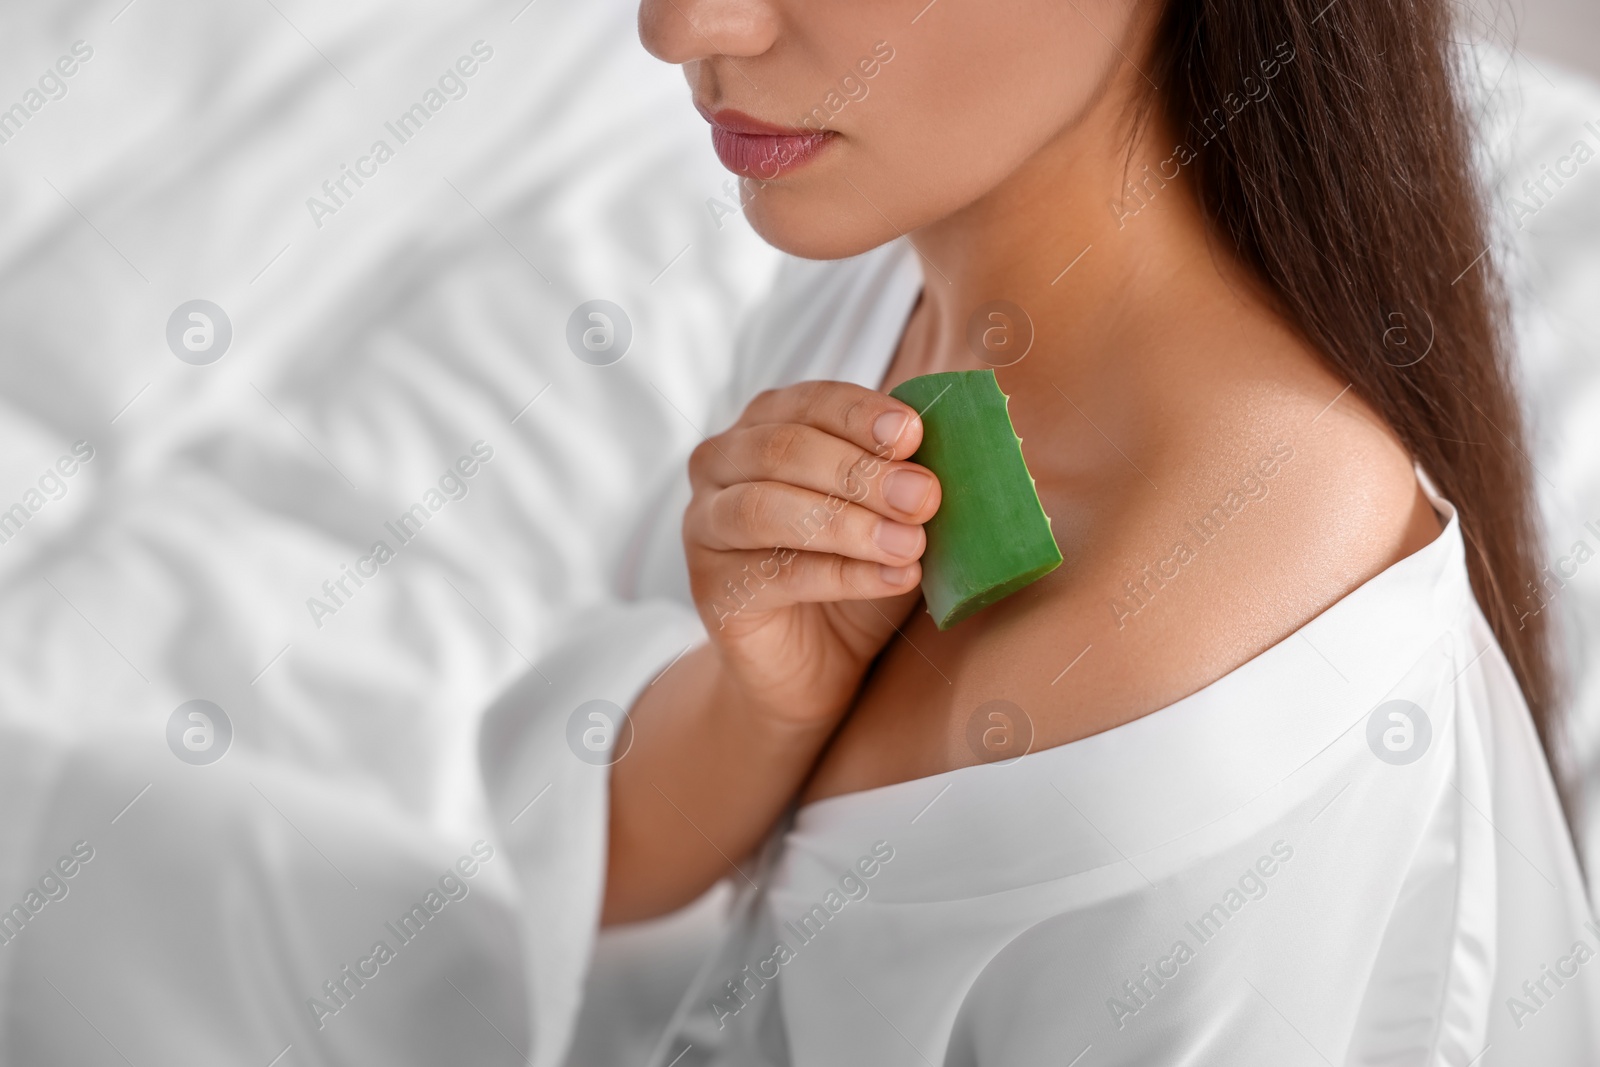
[{"x": 1346, "y": 179}]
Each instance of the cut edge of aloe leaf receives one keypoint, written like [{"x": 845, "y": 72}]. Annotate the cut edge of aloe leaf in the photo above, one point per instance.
[{"x": 971, "y": 445}]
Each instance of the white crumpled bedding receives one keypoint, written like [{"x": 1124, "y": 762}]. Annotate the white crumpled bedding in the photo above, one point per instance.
[
  {"x": 377, "y": 337},
  {"x": 369, "y": 353}
]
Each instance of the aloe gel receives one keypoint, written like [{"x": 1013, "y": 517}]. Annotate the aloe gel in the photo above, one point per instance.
[{"x": 991, "y": 536}]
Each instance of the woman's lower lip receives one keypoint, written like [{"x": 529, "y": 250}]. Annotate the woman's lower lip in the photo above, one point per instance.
[{"x": 766, "y": 156}]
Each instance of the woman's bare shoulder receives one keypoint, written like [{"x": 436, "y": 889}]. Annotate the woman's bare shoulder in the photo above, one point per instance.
[
  {"x": 1273, "y": 498},
  {"x": 1267, "y": 495}
]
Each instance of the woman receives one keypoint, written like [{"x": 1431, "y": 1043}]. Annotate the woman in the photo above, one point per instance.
[{"x": 1256, "y": 775}]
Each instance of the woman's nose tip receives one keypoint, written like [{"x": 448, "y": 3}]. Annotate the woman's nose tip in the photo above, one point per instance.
[{"x": 681, "y": 31}]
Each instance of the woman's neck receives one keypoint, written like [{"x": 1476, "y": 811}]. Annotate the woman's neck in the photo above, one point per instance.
[{"x": 1093, "y": 242}]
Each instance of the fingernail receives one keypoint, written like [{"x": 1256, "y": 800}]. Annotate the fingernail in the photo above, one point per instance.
[
  {"x": 894, "y": 575},
  {"x": 907, "y": 489},
  {"x": 888, "y": 427},
  {"x": 897, "y": 538}
]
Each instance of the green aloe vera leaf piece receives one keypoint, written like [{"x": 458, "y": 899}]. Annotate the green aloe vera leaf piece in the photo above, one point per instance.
[{"x": 991, "y": 536}]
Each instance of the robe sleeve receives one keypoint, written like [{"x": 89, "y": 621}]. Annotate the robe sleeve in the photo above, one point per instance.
[
  {"x": 546, "y": 757},
  {"x": 546, "y": 749}
]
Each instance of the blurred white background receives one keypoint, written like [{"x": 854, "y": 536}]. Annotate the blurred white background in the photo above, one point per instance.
[
  {"x": 371, "y": 347},
  {"x": 1567, "y": 31}
]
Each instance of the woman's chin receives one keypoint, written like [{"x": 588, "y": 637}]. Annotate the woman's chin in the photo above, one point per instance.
[{"x": 819, "y": 231}]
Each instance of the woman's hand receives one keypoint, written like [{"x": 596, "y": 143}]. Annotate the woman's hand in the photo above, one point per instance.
[{"x": 803, "y": 539}]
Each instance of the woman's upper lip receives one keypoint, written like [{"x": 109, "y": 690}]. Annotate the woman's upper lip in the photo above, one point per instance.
[{"x": 738, "y": 122}]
